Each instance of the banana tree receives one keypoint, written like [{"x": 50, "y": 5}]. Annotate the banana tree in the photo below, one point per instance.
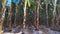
[
  {"x": 24, "y": 20},
  {"x": 47, "y": 13},
  {"x": 9, "y": 14},
  {"x": 16, "y": 10},
  {"x": 38, "y": 10},
  {"x": 47, "y": 22},
  {"x": 54, "y": 14},
  {"x": 2, "y": 15}
]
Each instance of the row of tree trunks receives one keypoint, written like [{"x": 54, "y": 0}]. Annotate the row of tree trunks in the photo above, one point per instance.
[
  {"x": 36, "y": 18},
  {"x": 2, "y": 15}
]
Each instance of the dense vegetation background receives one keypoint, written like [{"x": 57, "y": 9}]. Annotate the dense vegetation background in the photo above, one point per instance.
[{"x": 30, "y": 13}]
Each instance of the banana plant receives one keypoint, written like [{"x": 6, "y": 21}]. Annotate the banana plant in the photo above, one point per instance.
[
  {"x": 38, "y": 10},
  {"x": 16, "y": 10},
  {"x": 9, "y": 14},
  {"x": 47, "y": 2},
  {"x": 54, "y": 14},
  {"x": 24, "y": 20},
  {"x": 47, "y": 14},
  {"x": 2, "y": 15}
]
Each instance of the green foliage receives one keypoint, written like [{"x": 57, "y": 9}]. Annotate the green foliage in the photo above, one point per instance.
[
  {"x": 29, "y": 3},
  {"x": 47, "y": 1}
]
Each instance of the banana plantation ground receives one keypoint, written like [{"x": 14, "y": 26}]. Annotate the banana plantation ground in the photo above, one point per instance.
[{"x": 31, "y": 30}]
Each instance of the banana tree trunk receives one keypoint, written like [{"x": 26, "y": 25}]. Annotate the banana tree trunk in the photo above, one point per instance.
[
  {"x": 54, "y": 15},
  {"x": 24, "y": 20},
  {"x": 35, "y": 20},
  {"x": 16, "y": 12},
  {"x": 9, "y": 18},
  {"x": 47, "y": 24},
  {"x": 2, "y": 16},
  {"x": 37, "y": 23}
]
